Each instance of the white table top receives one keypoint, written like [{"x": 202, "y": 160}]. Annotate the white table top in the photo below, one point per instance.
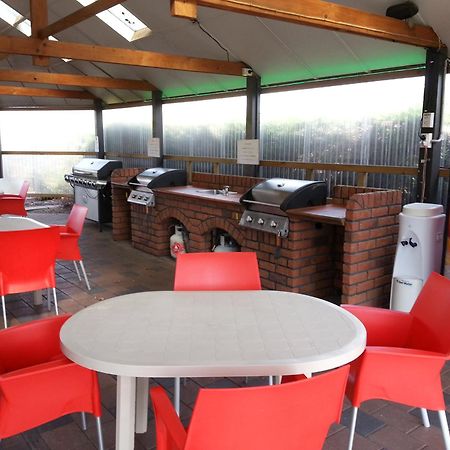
[
  {"x": 236, "y": 333},
  {"x": 17, "y": 223}
]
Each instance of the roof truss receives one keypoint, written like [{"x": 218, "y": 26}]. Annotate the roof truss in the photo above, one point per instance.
[
  {"x": 37, "y": 92},
  {"x": 38, "y": 47},
  {"x": 77, "y": 17},
  {"x": 75, "y": 80},
  {"x": 321, "y": 14}
]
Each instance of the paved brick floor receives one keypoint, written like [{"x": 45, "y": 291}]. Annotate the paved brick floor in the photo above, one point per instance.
[{"x": 115, "y": 268}]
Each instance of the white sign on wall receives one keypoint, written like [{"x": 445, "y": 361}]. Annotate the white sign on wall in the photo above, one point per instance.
[
  {"x": 153, "y": 148},
  {"x": 248, "y": 151}
]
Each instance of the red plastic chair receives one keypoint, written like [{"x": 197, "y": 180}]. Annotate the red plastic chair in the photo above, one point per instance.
[
  {"x": 70, "y": 233},
  {"x": 405, "y": 354},
  {"x": 38, "y": 383},
  {"x": 215, "y": 271},
  {"x": 288, "y": 416},
  {"x": 22, "y": 193},
  {"x": 14, "y": 203},
  {"x": 27, "y": 262}
]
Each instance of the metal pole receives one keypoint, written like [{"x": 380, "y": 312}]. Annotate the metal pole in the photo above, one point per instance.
[
  {"x": 98, "y": 105},
  {"x": 431, "y": 126},
  {"x": 252, "y": 120},
  {"x": 1, "y": 158},
  {"x": 157, "y": 118}
]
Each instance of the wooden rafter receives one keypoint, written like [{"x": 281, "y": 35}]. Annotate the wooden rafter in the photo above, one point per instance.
[
  {"x": 77, "y": 17},
  {"x": 39, "y": 20},
  {"x": 321, "y": 14},
  {"x": 37, "y": 47},
  {"x": 75, "y": 80},
  {"x": 36, "y": 92}
]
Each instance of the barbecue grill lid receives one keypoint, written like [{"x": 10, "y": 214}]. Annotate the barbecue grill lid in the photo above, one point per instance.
[
  {"x": 287, "y": 193},
  {"x": 96, "y": 168},
  {"x": 160, "y": 177}
]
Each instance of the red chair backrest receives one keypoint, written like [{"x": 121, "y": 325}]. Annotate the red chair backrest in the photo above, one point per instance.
[
  {"x": 24, "y": 189},
  {"x": 431, "y": 316},
  {"x": 27, "y": 259},
  {"x": 30, "y": 343},
  {"x": 76, "y": 218},
  {"x": 37, "y": 382},
  {"x": 216, "y": 271},
  {"x": 286, "y": 417}
]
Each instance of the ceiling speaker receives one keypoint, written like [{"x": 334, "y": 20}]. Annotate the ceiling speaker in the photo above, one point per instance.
[{"x": 402, "y": 11}]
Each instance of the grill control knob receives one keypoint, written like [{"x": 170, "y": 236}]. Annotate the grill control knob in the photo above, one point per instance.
[
  {"x": 273, "y": 224},
  {"x": 260, "y": 221},
  {"x": 249, "y": 219}
]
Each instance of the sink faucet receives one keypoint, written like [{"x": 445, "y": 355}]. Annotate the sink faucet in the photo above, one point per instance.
[{"x": 226, "y": 190}]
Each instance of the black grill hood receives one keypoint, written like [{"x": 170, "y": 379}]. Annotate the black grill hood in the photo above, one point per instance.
[{"x": 286, "y": 194}]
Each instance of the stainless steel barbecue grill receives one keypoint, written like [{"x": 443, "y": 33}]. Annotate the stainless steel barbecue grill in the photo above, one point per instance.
[
  {"x": 267, "y": 203},
  {"x": 143, "y": 183},
  {"x": 90, "y": 179}
]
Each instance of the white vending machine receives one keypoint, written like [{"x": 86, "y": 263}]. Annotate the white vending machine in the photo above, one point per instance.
[{"x": 419, "y": 251}]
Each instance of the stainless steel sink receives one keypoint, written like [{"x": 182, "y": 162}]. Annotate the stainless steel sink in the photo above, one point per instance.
[{"x": 215, "y": 192}]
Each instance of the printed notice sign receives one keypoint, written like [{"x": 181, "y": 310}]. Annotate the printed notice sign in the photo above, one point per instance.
[
  {"x": 248, "y": 151},
  {"x": 153, "y": 147}
]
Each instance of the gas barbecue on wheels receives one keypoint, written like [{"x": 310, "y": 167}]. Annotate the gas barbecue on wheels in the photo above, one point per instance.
[
  {"x": 268, "y": 201},
  {"x": 91, "y": 183},
  {"x": 142, "y": 184}
]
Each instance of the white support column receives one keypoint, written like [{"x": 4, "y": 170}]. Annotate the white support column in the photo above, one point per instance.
[
  {"x": 142, "y": 394},
  {"x": 126, "y": 411}
]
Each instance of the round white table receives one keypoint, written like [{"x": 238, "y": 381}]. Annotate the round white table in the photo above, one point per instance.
[
  {"x": 18, "y": 223},
  {"x": 206, "y": 334}
]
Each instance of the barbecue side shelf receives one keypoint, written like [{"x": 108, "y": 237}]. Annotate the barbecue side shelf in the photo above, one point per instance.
[{"x": 330, "y": 213}]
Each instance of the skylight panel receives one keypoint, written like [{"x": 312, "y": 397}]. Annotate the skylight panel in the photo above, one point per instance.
[{"x": 122, "y": 21}]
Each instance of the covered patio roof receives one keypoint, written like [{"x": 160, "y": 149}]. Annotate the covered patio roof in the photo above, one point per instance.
[{"x": 209, "y": 49}]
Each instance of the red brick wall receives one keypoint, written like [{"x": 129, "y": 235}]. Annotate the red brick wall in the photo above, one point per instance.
[
  {"x": 316, "y": 259},
  {"x": 120, "y": 206},
  {"x": 371, "y": 229}
]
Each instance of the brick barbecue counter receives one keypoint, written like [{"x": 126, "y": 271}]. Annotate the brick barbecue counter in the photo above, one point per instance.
[{"x": 342, "y": 251}]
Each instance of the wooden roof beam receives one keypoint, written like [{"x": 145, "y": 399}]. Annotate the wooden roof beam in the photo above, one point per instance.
[
  {"x": 77, "y": 17},
  {"x": 39, "y": 19},
  {"x": 36, "y": 92},
  {"x": 75, "y": 80},
  {"x": 140, "y": 58},
  {"x": 321, "y": 14}
]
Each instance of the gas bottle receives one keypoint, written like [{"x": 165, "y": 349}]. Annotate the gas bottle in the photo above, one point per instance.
[
  {"x": 225, "y": 246},
  {"x": 177, "y": 242}
]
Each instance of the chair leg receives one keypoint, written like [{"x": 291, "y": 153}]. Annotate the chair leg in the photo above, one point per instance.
[
  {"x": 4, "y": 311},
  {"x": 352, "y": 428},
  {"x": 444, "y": 426},
  {"x": 76, "y": 270},
  {"x": 176, "y": 394},
  {"x": 83, "y": 421},
  {"x": 425, "y": 419},
  {"x": 56, "y": 301},
  {"x": 85, "y": 276},
  {"x": 270, "y": 380},
  {"x": 99, "y": 433}
]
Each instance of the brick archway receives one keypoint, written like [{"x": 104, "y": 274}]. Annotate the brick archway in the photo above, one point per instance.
[{"x": 233, "y": 230}]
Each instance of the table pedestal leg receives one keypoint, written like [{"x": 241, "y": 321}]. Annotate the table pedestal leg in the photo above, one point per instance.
[
  {"x": 125, "y": 414},
  {"x": 37, "y": 297},
  {"x": 141, "y": 404}
]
